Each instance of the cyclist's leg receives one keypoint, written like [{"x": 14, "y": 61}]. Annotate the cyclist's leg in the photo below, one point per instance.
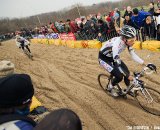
[
  {"x": 118, "y": 76},
  {"x": 22, "y": 47},
  {"x": 108, "y": 66},
  {"x": 28, "y": 48},
  {"x": 125, "y": 68}
]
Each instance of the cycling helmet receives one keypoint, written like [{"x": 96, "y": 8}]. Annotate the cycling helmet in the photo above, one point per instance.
[
  {"x": 17, "y": 36},
  {"x": 128, "y": 32}
]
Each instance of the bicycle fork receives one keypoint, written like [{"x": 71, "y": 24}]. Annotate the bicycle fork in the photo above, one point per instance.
[{"x": 147, "y": 95}]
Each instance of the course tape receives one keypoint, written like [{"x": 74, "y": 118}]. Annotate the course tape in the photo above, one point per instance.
[
  {"x": 69, "y": 43},
  {"x": 150, "y": 45}
]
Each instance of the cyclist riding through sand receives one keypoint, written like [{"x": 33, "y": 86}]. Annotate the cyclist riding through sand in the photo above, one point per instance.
[
  {"x": 22, "y": 43},
  {"x": 109, "y": 57}
]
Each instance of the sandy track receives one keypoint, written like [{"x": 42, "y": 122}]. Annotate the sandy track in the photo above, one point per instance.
[{"x": 65, "y": 77}]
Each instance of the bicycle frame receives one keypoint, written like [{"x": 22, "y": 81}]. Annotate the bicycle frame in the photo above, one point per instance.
[{"x": 139, "y": 87}]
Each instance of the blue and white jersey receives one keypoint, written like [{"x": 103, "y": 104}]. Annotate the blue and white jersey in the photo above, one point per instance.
[{"x": 16, "y": 125}]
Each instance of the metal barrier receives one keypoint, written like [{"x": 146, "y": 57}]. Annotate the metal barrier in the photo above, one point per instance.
[
  {"x": 92, "y": 36},
  {"x": 142, "y": 35}
]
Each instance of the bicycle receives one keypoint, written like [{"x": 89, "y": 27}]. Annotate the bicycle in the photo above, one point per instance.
[
  {"x": 27, "y": 53},
  {"x": 147, "y": 98}
]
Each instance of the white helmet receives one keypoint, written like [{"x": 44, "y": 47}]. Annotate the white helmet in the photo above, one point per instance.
[
  {"x": 17, "y": 36},
  {"x": 128, "y": 32}
]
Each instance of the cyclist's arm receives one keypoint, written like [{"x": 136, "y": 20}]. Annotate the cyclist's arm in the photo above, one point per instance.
[{"x": 135, "y": 57}]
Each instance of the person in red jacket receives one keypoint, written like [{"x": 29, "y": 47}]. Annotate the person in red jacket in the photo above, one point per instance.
[
  {"x": 73, "y": 26},
  {"x": 52, "y": 26}
]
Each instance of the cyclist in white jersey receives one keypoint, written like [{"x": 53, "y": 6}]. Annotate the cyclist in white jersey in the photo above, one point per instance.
[
  {"x": 22, "y": 43},
  {"x": 110, "y": 60}
]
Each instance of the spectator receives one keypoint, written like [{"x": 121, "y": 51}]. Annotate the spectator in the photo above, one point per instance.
[
  {"x": 157, "y": 14},
  {"x": 72, "y": 25},
  {"x": 99, "y": 16},
  {"x": 100, "y": 38},
  {"x": 61, "y": 119},
  {"x": 149, "y": 28},
  {"x": 85, "y": 28},
  {"x": 61, "y": 27},
  {"x": 58, "y": 27},
  {"x": 128, "y": 12},
  {"x": 52, "y": 26},
  {"x": 111, "y": 13},
  {"x": 158, "y": 4},
  {"x": 93, "y": 18},
  {"x": 102, "y": 28},
  {"x": 116, "y": 18},
  {"x": 128, "y": 21},
  {"x": 16, "y": 92},
  {"x": 67, "y": 27},
  {"x": 117, "y": 10},
  {"x": 118, "y": 25},
  {"x": 79, "y": 25},
  {"x": 138, "y": 18},
  {"x": 110, "y": 24},
  {"x": 151, "y": 8},
  {"x": 93, "y": 29}
]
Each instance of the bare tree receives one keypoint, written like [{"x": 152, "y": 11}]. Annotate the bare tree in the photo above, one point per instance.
[{"x": 9, "y": 25}]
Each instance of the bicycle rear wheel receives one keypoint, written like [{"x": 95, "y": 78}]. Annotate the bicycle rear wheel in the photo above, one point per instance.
[
  {"x": 103, "y": 81},
  {"x": 28, "y": 54},
  {"x": 149, "y": 100}
]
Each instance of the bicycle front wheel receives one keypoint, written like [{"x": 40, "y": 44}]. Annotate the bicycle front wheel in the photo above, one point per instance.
[{"x": 149, "y": 100}]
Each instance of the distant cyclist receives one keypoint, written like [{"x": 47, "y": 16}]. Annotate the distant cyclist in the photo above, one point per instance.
[
  {"x": 110, "y": 60},
  {"x": 22, "y": 43}
]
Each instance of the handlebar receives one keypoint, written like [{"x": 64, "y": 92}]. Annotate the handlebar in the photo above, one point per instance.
[{"x": 144, "y": 71}]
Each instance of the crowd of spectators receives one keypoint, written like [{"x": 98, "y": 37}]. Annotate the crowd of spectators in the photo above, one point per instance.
[
  {"x": 104, "y": 27},
  {"x": 6, "y": 36}
]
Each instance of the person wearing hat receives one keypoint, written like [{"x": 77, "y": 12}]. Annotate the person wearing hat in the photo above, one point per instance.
[
  {"x": 61, "y": 119},
  {"x": 16, "y": 92}
]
